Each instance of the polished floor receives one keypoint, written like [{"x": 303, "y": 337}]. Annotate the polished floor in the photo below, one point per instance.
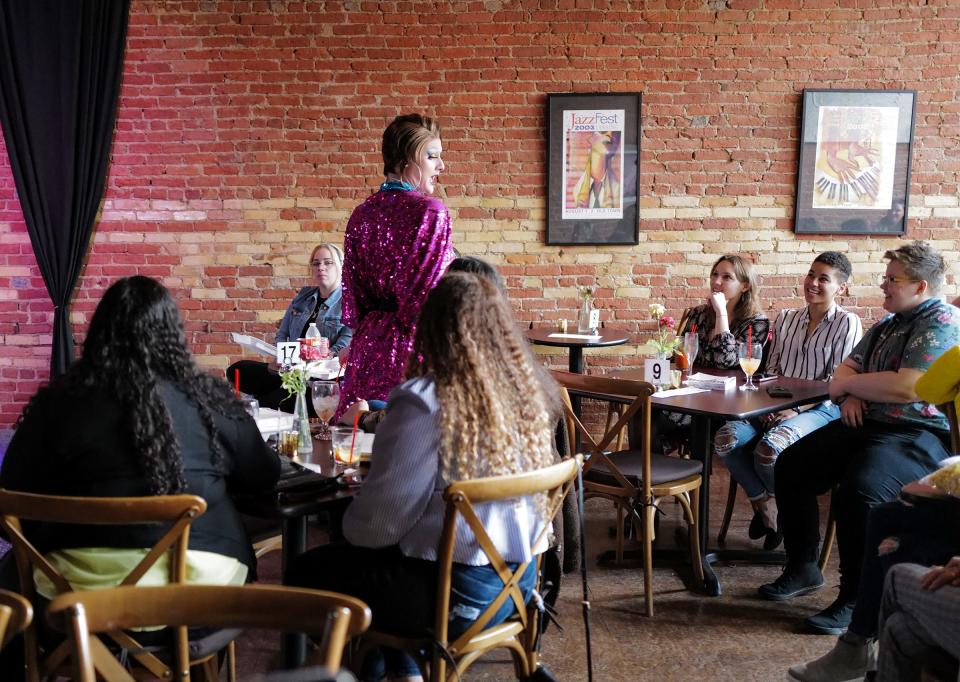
[{"x": 736, "y": 636}]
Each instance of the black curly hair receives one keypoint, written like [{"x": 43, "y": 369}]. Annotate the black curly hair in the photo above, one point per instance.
[{"x": 136, "y": 340}]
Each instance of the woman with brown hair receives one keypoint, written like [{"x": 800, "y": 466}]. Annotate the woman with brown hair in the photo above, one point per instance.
[
  {"x": 474, "y": 405},
  {"x": 732, "y": 308}
]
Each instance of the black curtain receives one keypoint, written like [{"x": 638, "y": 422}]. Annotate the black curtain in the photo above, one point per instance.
[{"x": 60, "y": 68}]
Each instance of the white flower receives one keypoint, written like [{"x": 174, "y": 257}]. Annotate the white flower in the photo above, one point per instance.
[{"x": 657, "y": 310}]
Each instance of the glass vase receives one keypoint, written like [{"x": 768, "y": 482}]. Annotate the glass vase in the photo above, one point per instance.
[
  {"x": 583, "y": 322},
  {"x": 301, "y": 422}
]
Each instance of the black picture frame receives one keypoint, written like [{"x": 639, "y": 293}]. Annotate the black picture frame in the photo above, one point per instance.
[
  {"x": 856, "y": 148},
  {"x": 581, "y": 128}
]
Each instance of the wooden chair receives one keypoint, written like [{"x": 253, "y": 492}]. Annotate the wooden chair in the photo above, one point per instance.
[
  {"x": 178, "y": 511},
  {"x": 950, "y": 409},
  {"x": 518, "y": 633},
  {"x": 634, "y": 480},
  {"x": 15, "y": 615},
  {"x": 330, "y": 617}
]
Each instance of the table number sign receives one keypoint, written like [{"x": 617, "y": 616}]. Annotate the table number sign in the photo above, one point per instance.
[
  {"x": 656, "y": 371},
  {"x": 288, "y": 353}
]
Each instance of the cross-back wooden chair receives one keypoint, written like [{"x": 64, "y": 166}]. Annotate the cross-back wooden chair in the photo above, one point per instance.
[
  {"x": 15, "y": 615},
  {"x": 517, "y": 634},
  {"x": 331, "y": 618},
  {"x": 635, "y": 480},
  {"x": 178, "y": 511}
]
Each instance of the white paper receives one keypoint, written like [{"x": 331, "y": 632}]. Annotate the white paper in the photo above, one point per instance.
[
  {"x": 271, "y": 421},
  {"x": 671, "y": 392},
  {"x": 255, "y": 344},
  {"x": 585, "y": 337}
]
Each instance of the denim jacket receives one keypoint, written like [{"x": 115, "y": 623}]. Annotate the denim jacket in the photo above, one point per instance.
[{"x": 329, "y": 319}]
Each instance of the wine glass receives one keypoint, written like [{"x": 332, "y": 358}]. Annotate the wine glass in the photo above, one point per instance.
[
  {"x": 325, "y": 396},
  {"x": 691, "y": 346},
  {"x": 749, "y": 354}
]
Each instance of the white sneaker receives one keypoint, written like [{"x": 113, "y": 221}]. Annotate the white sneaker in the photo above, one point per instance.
[{"x": 843, "y": 663}]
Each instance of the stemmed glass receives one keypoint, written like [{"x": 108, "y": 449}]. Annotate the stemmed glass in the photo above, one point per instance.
[
  {"x": 691, "y": 346},
  {"x": 325, "y": 396},
  {"x": 749, "y": 354}
]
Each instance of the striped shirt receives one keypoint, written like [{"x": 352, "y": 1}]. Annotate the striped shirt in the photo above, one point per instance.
[
  {"x": 796, "y": 355},
  {"x": 401, "y": 501}
]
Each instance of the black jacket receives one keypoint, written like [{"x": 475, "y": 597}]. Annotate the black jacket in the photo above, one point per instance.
[{"x": 71, "y": 444}]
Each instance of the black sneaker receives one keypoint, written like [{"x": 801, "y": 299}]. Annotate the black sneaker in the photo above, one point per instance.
[
  {"x": 833, "y": 620},
  {"x": 756, "y": 529},
  {"x": 795, "y": 581}
]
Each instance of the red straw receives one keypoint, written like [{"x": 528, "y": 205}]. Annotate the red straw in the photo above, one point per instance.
[
  {"x": 749, "y": 336},
  {"x": 356, "y": 421},
  {"x": 236, "y": 381},
  {"x": 693, "y": 328}
]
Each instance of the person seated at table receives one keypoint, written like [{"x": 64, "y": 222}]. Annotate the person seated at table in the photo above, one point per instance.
[
  {"x": 731, "y": 314},
  {"x": 136, "y": 417},
  {"x": 886, "y": 435},
  {"x": 897, "y": 532},
  {"x": 920, "y": 622},
  {"x": 808, "y": 343},
  {"x": 320, "y": 304},
  {"x": 371, "y": 412},
  {"x": 470, "y": 367}
]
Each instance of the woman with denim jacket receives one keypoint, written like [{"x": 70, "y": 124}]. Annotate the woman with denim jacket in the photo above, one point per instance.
[{"x": 321, "y": 304}]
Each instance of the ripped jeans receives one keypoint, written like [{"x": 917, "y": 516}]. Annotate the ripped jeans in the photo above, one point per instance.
[{"x": 737, "y": 444}]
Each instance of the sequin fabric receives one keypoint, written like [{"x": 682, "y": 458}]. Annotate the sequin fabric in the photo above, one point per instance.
[{"x": 396, "y": 248}]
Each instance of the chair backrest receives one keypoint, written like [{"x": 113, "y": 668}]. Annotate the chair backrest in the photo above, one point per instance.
[
  {"x": 178, "y": 511},
  {"x": 638, "y": 392},
  {"x": 15, "y": 615},
  {"x": 333, "y": 618},
  {"x": 553, "y": 482}
]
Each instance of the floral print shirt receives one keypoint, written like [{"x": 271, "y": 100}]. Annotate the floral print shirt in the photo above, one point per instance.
[
  {"x": 912, "y": 339},
  {"x": 720, "y": 352}
]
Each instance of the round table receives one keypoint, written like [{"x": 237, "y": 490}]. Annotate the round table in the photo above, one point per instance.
[{"x": 548, "y": 337}]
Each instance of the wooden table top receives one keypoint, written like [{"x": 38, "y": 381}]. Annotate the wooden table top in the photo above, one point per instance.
[
  {"x": 543, "y": 337},
  {"x": 736, "y": 404}
]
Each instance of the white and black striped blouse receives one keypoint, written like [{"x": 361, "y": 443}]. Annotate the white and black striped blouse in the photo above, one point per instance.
[{"x": 816, "y": 357}]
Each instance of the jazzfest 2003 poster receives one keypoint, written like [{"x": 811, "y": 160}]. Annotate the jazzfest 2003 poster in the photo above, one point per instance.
[{"x": 593, "y": 164}]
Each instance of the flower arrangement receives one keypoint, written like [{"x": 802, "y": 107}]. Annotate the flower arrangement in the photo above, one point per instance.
[
  {"x": 294, "y": 380},
  {"x": 666, "y": 341},
  {"x": 586, "y": 293}
]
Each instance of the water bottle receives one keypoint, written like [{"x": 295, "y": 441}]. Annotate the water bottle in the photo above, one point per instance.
[{"x": 312, "y": 331}]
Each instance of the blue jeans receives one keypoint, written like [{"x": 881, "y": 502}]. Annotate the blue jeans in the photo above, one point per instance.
[{"x": 736, "y": 444}]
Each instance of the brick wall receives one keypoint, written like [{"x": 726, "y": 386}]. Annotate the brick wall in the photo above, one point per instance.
[{"x": 248, "y": 130}]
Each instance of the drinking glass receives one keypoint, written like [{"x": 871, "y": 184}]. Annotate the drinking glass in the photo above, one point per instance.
[
  {"x": 325, "y": 396},
  {"x": 345, "y": 452},
  {"x": 749, "y": 354},
  {"x": 691, "y": 346}
]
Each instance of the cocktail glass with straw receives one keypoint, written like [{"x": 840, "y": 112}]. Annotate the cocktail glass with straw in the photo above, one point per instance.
[{"x": 749, "y": 355}]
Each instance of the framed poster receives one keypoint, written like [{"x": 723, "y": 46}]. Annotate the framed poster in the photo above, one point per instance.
[
  {"x": 855, "y": 153},
  {"x": 593, "y": 162}
]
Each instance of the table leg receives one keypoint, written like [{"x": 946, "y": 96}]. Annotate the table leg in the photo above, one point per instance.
[
  {"x": 293, "y": 647},
  {"x": 575, "y": 364},
  {"x": 700, "y": 448}
]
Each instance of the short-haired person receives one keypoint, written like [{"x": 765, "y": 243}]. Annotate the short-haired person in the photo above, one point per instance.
[
  {"x": 319, "y": 304},
  {"x": 470, "y": 367},
  {"x": 886, "y": 436},
  {"x": 396, "y": 248},
  {"x": 808, "y": 343}
]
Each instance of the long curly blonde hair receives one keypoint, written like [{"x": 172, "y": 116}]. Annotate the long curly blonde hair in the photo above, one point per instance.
[{"x": 496, "y": 408}]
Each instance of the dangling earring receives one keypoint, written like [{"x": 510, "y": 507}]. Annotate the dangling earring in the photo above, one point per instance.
[{"x": 413, "y": 185}]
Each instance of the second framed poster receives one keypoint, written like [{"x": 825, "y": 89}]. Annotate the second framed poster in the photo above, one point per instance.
[
  {"x": 855, "y": 152},
  {"x": 593, "y": 162}
]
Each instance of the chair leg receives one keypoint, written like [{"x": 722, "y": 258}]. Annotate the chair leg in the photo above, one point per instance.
[
  {"x": 728, "y": 512},
  {"x": 828, "y": 538},
  {"x": 649, "y": 511},
  {"x": 619, "y": 534},
  {"x": 232, "y": 662}
]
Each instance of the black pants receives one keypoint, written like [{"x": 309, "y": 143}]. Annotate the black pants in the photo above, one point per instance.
[
  {"x": 869, "y": 465},
  {"x": 925, "y": 535}
]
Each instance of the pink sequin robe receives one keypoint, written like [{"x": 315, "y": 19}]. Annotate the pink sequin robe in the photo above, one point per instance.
[{"x": 396, "y": 248}]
